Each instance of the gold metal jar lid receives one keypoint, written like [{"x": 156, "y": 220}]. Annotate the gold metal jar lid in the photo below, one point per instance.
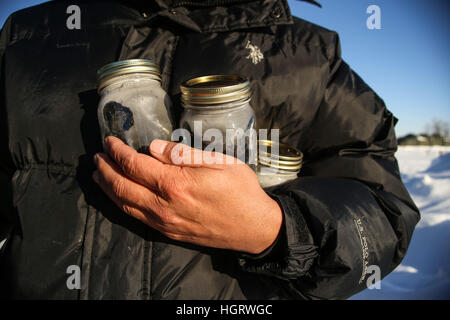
[
  {"x": 214, "y": 89},
  {"x": 107, "y": 73},
  {"x": 289, "y": 158}
]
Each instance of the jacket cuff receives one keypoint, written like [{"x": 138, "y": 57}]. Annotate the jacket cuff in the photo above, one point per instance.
[{"x": 293, "y": 252}]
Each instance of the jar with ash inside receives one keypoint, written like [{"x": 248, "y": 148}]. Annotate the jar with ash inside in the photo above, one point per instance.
[
  {"x": 277, "y": 163},
  {"x": 133, "y": 107},
  {"x": 217, "y": 110}
]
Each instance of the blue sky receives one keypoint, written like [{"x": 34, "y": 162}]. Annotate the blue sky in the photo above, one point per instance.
[{"x": 406, "y": 62}]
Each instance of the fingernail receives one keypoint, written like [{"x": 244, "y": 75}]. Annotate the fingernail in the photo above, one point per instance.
[
  {"x": 96, "y": 158},
  {"x": 105, "y": 144},
  {"x": 95, "y": 176},
  {"x": 158, "y": 146}
]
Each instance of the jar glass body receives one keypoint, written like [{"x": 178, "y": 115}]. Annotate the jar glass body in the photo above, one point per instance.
[
  {"x": 269, "y": 177},
  {"x": 135, "y": 109},
  {"x": 235, "y": 121}
]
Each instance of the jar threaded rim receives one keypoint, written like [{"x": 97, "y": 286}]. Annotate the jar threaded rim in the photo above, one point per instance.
[
  {"x": 207, "y": 91},
  {"x": 107, "y": 73}
]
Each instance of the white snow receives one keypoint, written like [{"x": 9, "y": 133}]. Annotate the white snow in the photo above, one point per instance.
[
  {"x": 425, "y": 270},
  {"x": 422, "y": 139},
  {"x": 402, "y": 268}
]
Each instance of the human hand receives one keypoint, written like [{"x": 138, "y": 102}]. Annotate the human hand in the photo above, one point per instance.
[{"x": 208, "y": 204}]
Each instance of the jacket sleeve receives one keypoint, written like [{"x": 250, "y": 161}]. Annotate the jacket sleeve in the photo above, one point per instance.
[
  {"x": 349, "y": 209},
  {"x": 6, "y": 165}
]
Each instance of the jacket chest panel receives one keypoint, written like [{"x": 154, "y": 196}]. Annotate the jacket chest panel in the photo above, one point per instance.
[
  {"x": 284, "y": 97},
  {"x": 51, "y": 92}
]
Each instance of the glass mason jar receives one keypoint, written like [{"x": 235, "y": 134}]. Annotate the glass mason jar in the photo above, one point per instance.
[
  {"x": 133, "y": 107},
  {"x": 277, "y": 163},
  {"x": 217, "y": 110}
]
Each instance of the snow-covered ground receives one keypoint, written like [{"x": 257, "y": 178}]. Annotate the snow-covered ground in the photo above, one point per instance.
[{"x": 425, "y": 271}]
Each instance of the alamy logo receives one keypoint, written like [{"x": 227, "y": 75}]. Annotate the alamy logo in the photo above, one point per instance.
[
  {"x": 74, "y": 20},
  {"x": 374, "y": 279},
  {"x": 255, "y": 54},
  {"x": 374, "y": 20},
  {"x": 74, "y": 280}
]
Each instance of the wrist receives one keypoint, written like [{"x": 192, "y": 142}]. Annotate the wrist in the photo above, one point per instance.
[{"x": 271, "y": 226}]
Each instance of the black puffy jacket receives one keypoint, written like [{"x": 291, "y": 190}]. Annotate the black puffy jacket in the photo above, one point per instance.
[{"x": 347, "y": 210}]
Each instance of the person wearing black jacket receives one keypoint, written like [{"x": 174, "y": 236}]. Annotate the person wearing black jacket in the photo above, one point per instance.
[{"x": 311, "y": 238}]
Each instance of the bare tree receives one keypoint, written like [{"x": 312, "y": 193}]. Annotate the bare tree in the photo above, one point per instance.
[{"x": 438, "y": 128}]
